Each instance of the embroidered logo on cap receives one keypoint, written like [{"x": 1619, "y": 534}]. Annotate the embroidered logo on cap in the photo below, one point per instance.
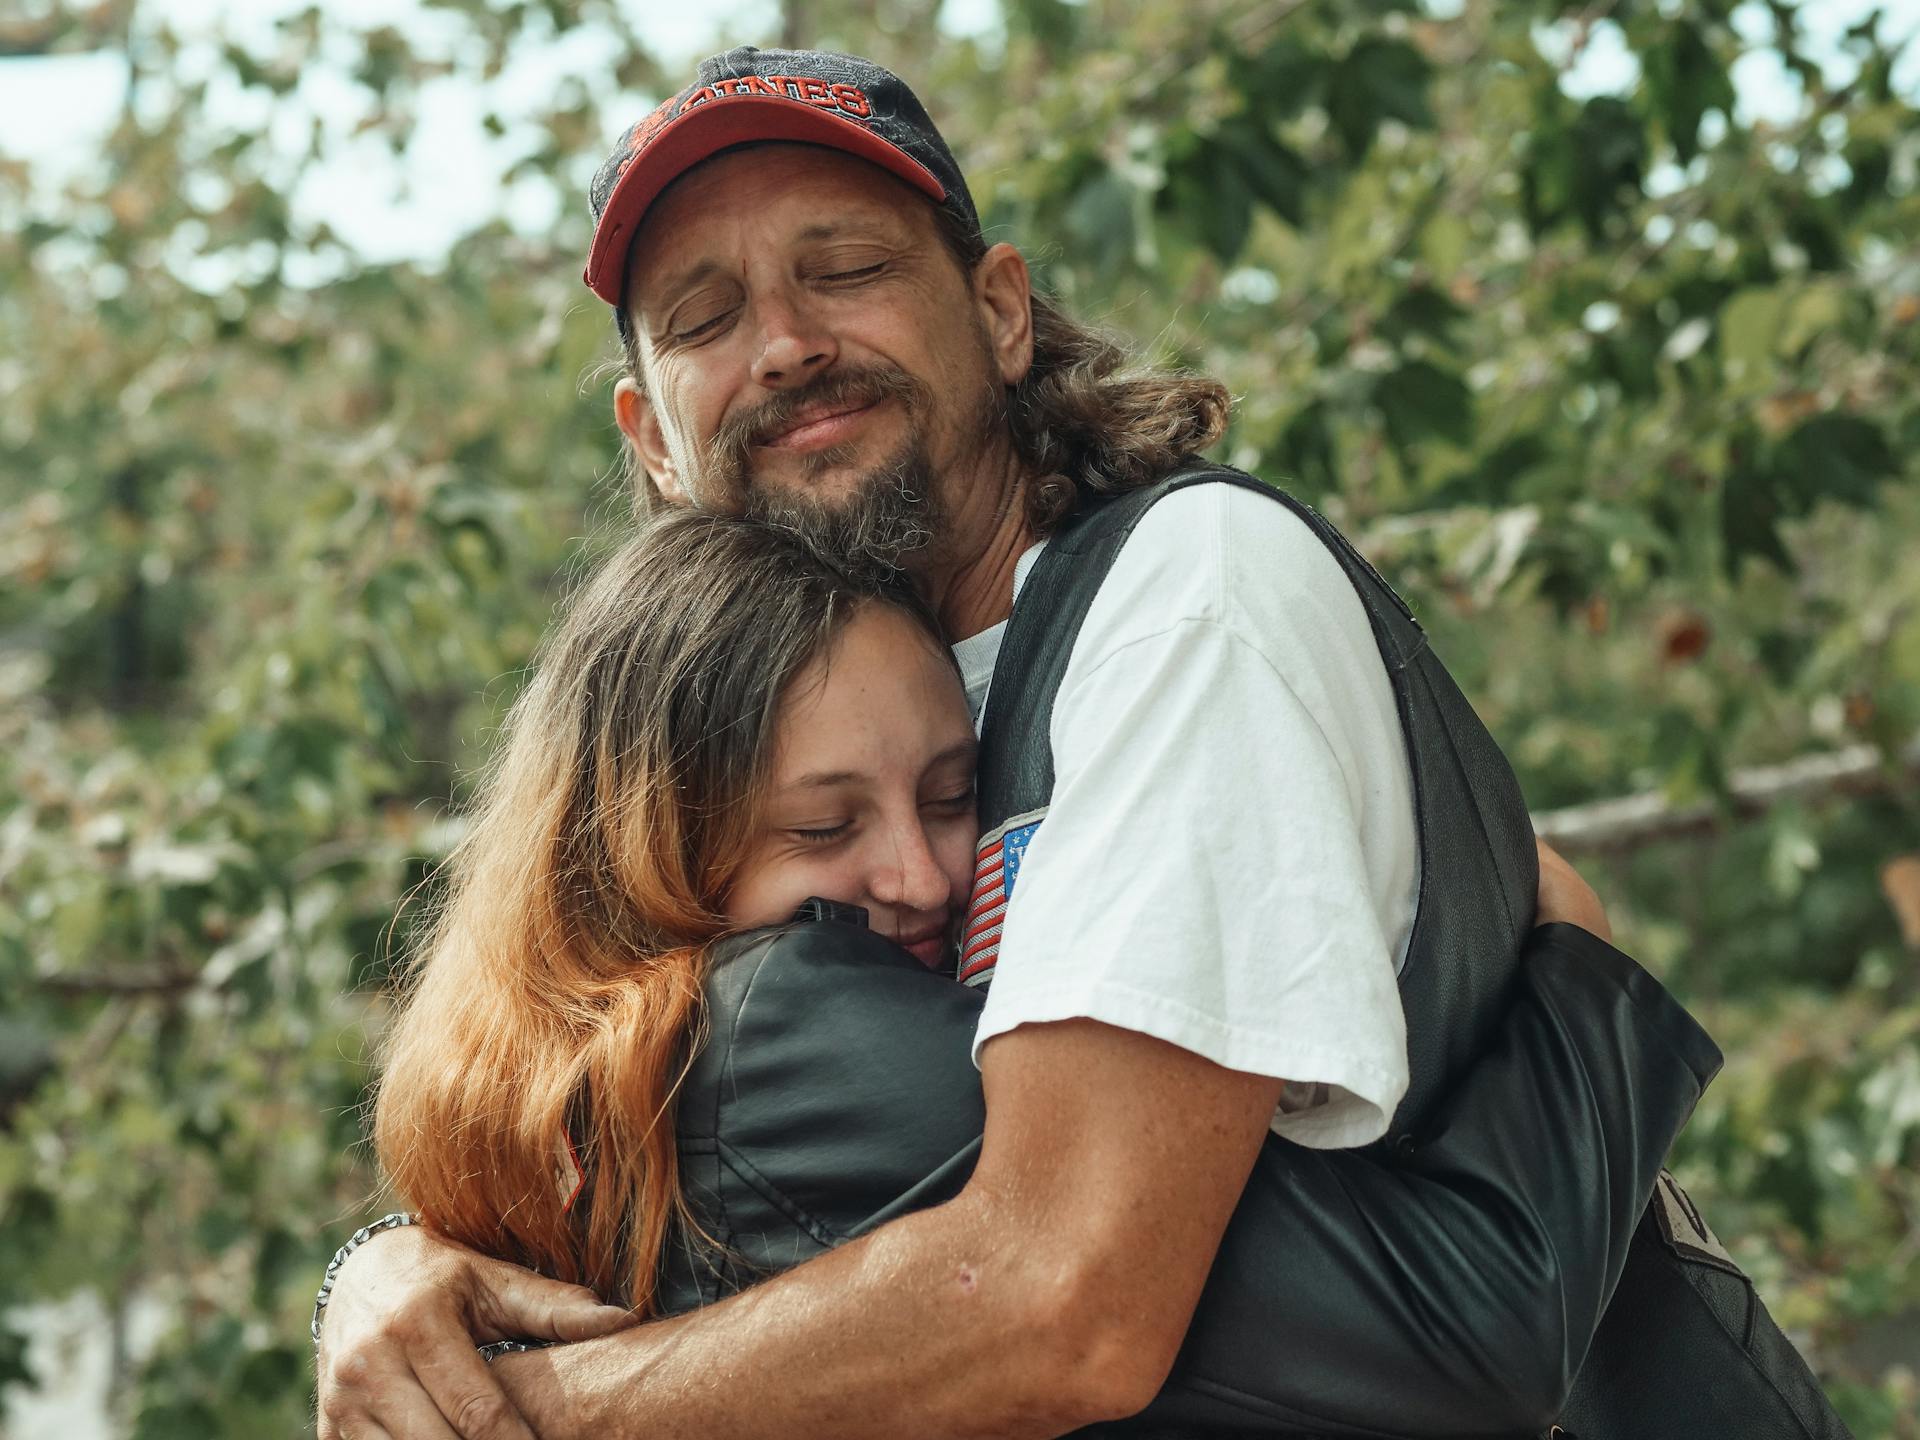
[{"x": 848, "y": 100}]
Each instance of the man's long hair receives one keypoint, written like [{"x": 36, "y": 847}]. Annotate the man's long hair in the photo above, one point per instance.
[
  {"x": 1087, "y": 420},
  {"x": 554, "y": 1004}
]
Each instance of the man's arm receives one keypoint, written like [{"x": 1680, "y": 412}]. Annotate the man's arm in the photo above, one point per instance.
[
  {"x": 1053, "y": 1292},
  {"x": 397, "y": 1333}
]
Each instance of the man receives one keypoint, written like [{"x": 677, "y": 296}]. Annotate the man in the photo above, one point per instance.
[{"x": 1202, "y": 946}]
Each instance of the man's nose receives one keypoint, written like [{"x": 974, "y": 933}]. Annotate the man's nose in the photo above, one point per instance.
[
  {"x": 794, "y": 345},
  {"x": 914, "y": 879}
]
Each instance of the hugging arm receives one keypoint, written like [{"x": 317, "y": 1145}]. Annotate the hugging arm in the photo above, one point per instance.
[{"x": 1449, "y": 1290}]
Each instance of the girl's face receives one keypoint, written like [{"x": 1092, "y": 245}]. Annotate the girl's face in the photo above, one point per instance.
[{"x": 872, "y": 796}]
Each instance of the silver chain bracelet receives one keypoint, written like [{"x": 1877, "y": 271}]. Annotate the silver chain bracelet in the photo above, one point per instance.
[
  {"x": 494, "y": 1351},
  {"x": 488, "y": 1353},
  {"x": 354, "y": 1242}
]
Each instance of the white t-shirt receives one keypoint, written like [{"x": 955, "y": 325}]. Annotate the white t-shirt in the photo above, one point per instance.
[{"x": 1230, "y": 861}]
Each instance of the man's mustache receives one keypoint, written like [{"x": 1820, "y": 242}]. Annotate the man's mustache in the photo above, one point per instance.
[{"x": 842, "y": 387}]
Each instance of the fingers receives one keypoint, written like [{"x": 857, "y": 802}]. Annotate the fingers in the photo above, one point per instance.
[
  {"x": 469, "y": 1396},
  {"x": 355, "y": 1389},
  {"x": 420, "y": 1386},
  {"x": 511, "y": 1303},
  {"x": 397, "y": 1358},
  {"x": 398, "y": 1352}
]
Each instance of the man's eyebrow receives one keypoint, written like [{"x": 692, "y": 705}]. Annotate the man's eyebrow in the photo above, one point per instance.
[{"x": 833, "y": 229}]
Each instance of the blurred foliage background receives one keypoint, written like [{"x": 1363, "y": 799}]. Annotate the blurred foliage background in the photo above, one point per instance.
[{"x": 1618, "y": 379}]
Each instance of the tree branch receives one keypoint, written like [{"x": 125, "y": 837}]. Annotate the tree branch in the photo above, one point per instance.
[
  {"x": 77, "y": 983},
  {"x": 1606, "y": 827}
]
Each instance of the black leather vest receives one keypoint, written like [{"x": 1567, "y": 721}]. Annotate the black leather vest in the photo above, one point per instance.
[
  {"x": 1685, "y": 1348},
  {"x": 1478, "y": 867}
]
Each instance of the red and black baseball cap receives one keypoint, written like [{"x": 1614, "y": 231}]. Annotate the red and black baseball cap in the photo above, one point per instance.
[{"x": 747, "y": 95}]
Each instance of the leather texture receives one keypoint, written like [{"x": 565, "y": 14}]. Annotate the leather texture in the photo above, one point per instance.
[
  {"x": 1443, "y": 1288},
  {"x": 1687, "y": 1349}
]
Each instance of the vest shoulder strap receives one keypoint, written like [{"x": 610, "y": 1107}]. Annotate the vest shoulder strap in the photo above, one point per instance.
[{"x": 1016, "y": 762}]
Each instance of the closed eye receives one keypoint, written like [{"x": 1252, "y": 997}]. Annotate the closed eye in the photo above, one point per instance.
[
  {"x": 704, "y": 328},
  {"x": 822, "y": 836}
]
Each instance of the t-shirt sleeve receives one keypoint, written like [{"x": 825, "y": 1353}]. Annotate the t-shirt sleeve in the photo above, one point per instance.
[{"x": 1201, "y": 874}]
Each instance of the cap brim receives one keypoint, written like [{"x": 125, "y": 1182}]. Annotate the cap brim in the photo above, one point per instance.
[{"x": 719, "y": 124}]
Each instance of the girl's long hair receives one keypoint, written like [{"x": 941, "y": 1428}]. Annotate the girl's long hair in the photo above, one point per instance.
[{"x": 555, "y": 1000}]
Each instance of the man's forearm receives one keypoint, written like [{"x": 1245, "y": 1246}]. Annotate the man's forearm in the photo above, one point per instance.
[{"x": 933, "y": 1324}]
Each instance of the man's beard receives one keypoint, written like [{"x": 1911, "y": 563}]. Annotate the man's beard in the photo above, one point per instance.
[
  {"x": 890, "y": 520},
  {"x": 889, "y": 523}
]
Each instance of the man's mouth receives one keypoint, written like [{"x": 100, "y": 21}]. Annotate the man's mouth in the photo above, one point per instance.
[{"x": 821, "y": 428}]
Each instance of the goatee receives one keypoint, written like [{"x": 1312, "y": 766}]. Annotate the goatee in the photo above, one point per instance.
[
  {"x": 887, "y": 525},
  {"x": 888, "y": 521}
]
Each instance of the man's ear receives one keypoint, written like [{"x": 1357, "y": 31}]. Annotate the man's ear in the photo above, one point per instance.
[
  {"x": 633, "y": 413},
  {"x": 1004, "y": 291}
]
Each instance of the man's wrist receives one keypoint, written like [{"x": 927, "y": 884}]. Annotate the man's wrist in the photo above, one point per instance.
[{"x": 552, "y": 1409}]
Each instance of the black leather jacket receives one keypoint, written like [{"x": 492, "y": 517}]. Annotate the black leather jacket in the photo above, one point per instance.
[{"x": 1444, "y": 1288}]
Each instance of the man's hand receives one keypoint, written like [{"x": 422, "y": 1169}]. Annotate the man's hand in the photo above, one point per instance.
[
  {"x": 397, "y": 1356},
  {"x": 1564, "y": 896},
  {"x": 1052, "y": 1293}
]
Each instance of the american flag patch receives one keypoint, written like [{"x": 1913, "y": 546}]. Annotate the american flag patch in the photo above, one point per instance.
[{"x": 995, "y": 870}]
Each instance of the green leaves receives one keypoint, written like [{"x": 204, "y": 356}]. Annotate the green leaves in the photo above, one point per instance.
[
  {"x": 1684, "y": 80},
  {"x": 1206, "y": 195},
  {"x": 1609, "y": 156},
  {"x": 1055, "y": 24},
  {"x": 1282, "y": 80},
  {"x": 1216, "y": 180},
  {"x": 1752, "y": 504},
  {"x": 1420, "y": 401},
  {"x": 1588, "y": 167},
  {"x": 1377, "y": 80},
  {"x": 1842, "y": 458},
  {"x": 1309, "y": 464},
  {"x": 1099, "y": 219},
  {"x": 1422, "y": 311},
  {"x": 1836, "y": 457},
  {"x": 1270, "y": 170}
]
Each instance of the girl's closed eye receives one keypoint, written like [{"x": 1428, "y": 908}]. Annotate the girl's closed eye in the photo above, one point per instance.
[{"x": 820, "y": 834}]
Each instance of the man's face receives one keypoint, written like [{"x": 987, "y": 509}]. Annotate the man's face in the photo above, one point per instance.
[{"x": 811, "y": 350}]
